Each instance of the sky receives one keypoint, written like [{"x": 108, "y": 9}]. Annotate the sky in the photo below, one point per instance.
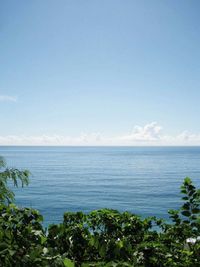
[{"x": 99, "y": 72}]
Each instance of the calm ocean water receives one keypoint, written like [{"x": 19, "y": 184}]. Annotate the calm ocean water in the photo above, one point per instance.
[{"x": 143, "y": 180}]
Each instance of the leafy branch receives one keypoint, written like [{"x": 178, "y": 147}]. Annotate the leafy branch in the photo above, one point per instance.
[{"x": 14, "y": 175}]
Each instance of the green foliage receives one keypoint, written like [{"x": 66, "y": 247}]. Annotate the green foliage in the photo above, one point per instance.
[
  {"x": 100, "y": 235},
  {"x": 187, "y": 218},
  {"x": 104, "y": 238},
  {"x": 15, "y": 175}
]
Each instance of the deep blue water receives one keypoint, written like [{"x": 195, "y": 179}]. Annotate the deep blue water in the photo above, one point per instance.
[{"x": 143, "y": 180}]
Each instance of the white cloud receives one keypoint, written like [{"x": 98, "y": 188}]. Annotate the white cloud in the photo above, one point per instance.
[
  {"x": 189, "y": 137},
  {"x": 149, "y": 134},
  {"x": 7, "y": 98},
  {"x": 83, "y": 139}
]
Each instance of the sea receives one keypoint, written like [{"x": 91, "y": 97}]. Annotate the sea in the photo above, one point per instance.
[{"x": 143, "y": 180}]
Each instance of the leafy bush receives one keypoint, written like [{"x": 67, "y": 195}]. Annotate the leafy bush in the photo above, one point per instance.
[{"x": 101, "y": 238}]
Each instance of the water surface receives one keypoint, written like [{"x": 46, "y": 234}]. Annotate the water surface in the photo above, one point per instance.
[{"x": 143, "y": 180}]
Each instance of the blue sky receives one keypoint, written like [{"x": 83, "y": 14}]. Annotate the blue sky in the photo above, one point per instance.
[{"x": 87, "y": 72}]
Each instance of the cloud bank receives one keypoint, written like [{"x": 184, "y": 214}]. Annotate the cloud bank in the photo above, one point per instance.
[
  {"x": 150, "y": 134},
  {"x": 7, "y": 98}
]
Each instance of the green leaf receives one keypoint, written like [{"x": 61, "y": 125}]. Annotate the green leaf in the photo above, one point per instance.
[
  {"x": 68, "y": 263},
  {"x": 196, "y": 210},
  {"x": 186, "y": 213},
  {"x": 43, "y": 239},
  {"x": 102, "y": 250},
  {"x": 186, "y": 206},
  {"x": 183, "y": 191},
  {"x": 11, "y": 252},
  {"x": 187, "y": 181}
]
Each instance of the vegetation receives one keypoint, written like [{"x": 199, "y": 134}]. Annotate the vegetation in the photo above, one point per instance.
[
  {"x": 101, "y": 238},
  {"x": 6, "y": 195}
]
